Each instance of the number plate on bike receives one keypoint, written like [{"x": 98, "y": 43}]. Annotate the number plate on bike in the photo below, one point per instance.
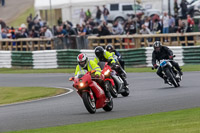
[{"x": 163, "y": 63}]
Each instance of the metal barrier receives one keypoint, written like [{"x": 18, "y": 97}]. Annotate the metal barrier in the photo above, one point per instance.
[{"x": 137, "y": 41}]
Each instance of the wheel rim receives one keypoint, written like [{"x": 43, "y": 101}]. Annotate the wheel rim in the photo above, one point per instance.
[{"x": 92, "y": 102}]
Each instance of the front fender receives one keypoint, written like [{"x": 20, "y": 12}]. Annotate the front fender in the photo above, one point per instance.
[{"x": 111, "y": 80}]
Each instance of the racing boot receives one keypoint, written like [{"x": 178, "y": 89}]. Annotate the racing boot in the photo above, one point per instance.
[
  {"x": 108, "y": 96},
  {"x": 166, "y": 81},
  {"x": 107, "y": 93}
]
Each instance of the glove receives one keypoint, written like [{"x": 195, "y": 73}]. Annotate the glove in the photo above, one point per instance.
[
  {"x": 97, "y": 76},
  {"x": 171, "y": 57},
  {"x": 155, "y": 66}
]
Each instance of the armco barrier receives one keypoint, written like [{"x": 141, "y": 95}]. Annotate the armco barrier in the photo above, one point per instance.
[
  {"x": 134, "y": 57},
  {"x": 67, "y": 58},
  {"x": 45, "y": 59},
  {"x": 22, "y": 59},
  {"x": 191, "y": 55},
  {"x": 5, "y": 59}
]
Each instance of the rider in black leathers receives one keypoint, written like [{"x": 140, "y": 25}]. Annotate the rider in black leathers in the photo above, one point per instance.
[{"x": 162, "y": 52}]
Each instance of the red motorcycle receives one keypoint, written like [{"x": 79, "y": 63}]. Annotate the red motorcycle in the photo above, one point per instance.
[
  {"x": 91, "y": 92},
  {"x": 113, "y": 81},
  {"x": 109, "y": 82}
]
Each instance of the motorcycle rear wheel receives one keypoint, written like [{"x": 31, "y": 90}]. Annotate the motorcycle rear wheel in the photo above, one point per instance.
[
  {"x": 126, "y": 92},
  {"x": 89, "y": 104}
]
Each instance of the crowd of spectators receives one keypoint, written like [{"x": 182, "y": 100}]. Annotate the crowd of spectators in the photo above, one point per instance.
[{"x": 95, "y": 25}]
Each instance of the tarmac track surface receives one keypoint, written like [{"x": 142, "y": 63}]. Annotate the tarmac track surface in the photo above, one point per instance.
[{"x": 148, "y": 95}]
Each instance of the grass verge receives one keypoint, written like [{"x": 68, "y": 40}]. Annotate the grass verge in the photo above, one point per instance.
[
  {"x": 22, "y": 18},
  {"x": 18, "y": 94},
  {"x": 183, "y": 121},
  {"x": 129, "y": 70}
]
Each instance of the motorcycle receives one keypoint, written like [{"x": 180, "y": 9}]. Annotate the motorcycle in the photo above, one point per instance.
[
  {"x": 109, "y": 82},
  {"x": 91, "y": 92},
  {"x": 116, "y": 87},
  {"x": 172, "y": 75}
]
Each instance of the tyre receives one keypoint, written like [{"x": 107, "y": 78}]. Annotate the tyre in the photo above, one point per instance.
[
  {"x": 172, "y": 79},
  {"x": 126, "y": 92},
  {"x": 112, "y": 89},
  {"x": 120, "y": 20},
  {"x": 89, "y": 103},
  {"x": 109, "y": 106}
]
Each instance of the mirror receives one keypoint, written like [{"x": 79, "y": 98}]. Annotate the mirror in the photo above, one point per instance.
[{"x": 71, "y": 79}]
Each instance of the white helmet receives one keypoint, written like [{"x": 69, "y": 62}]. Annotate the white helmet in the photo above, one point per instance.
[{"x": 82, "y": 60}]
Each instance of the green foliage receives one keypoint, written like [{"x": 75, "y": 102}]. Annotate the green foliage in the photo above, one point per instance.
[
  {"x": 19, "y": 94},
  {"x": 183, "y": 121}
]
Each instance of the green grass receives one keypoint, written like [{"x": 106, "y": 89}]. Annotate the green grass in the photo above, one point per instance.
[
  {"x": 22, "y": 18},
  {"x": 183, "y": 121},
  {"x": 15, "y": 71},
  {"x": 129, "y": 70},
  {"x": 18, "y": 94}
]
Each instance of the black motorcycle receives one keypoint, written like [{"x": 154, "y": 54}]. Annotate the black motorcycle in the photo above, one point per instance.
[{"x": 169, "y": 71}]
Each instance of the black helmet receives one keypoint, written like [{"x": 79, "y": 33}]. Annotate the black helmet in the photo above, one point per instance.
[
  {"x": 157, "y": 46},
  {"x": 109, "y": 48},
  {"x": 99, "y": 51}
]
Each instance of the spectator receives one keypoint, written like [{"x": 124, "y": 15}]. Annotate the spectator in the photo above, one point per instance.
[
  {"x": 129, "y": 27},
  {"x": 47, "y": 33},
  {"x": 88, "y": 14},
  {"x": 146, "y": 21},
  {"x": 59, "y": 21},
  {"x": 33, "y": 34},
  {"x": 157, "y": 28},
  {"x": 60, "y": 32},
  {"x": 82, "y": 31},
  {"x": 4, "y": 34},
  {"x": 181, "y": 26},
  {"x": 70, "y": 30},
  {"x": 165, "y": 23},
  {"x": 117, "y": 28},
  {"x": 103, "y": 31},
  {"x": 183, "y": 6},
  {"x": 145, "y": 30},
  {"x": 82, "y": 17},
  {"x": 29, "y": 18},
  {"x": 3, "y": 3},
  {"x": 98, "y": 15},
  {"x": 41, "y": 23},
  {"x": 105, "y": 13},
  {"x": 190, "y": 22},
  {"x": 171, "y": 24},
  {"x": 176, "y": 8},
  {"x": 2, "y": 23}
]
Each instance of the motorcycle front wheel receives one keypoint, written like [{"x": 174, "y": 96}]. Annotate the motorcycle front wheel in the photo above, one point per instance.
[
  {"x": 89, "y": 103},
  {"x": 112, "y": 89},
  {"x": 171, "y": 78}
]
